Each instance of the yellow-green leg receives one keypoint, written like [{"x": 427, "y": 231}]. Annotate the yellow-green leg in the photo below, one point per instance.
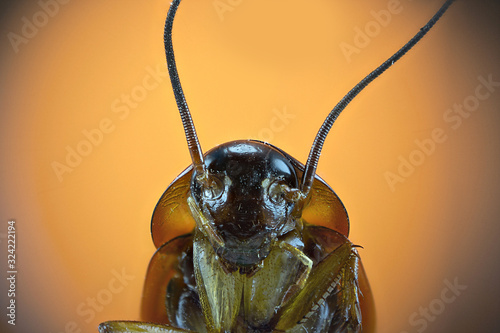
[
  {"x": 337, "y": 272},
  {"x": 136, "y": 326}
]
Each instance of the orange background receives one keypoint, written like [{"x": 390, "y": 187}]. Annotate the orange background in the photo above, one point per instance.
[{"x": 440, "y": 224}]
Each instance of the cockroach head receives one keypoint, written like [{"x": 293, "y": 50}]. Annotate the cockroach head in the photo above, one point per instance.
[{"x": 249, "y": 201}]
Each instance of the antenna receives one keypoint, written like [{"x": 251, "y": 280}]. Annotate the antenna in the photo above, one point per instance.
[
  {"x": 189, "y": 129},
  {"x": 314, "y": 154}
]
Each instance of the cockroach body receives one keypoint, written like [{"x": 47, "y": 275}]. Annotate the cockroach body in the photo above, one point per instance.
[{"x": 268, "y": 248}]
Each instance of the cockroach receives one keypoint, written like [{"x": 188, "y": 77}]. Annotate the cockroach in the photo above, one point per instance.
[{"x": 254, "y": 261}]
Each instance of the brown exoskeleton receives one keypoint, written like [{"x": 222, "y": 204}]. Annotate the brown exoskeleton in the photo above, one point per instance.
[{"x": 254, "y": 259}]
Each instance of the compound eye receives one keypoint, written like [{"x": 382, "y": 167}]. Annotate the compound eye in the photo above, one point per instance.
[{"x": 212, "y": 188}]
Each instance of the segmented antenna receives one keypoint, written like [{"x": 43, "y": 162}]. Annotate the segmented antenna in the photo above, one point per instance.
[
  {"x": 189, "y": 129},
  {"x": 314, "y": 154}
]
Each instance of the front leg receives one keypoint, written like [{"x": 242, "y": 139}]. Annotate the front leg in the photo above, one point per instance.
[
  {"x": 336, "y": 274},
  {"x": 137, "y": 326}
]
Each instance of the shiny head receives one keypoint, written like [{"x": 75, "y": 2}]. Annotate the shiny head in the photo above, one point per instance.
[{"x": 250, "y": 201}]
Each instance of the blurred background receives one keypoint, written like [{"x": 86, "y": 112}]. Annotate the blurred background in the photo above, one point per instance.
[{"x": 91, "y": 137}]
